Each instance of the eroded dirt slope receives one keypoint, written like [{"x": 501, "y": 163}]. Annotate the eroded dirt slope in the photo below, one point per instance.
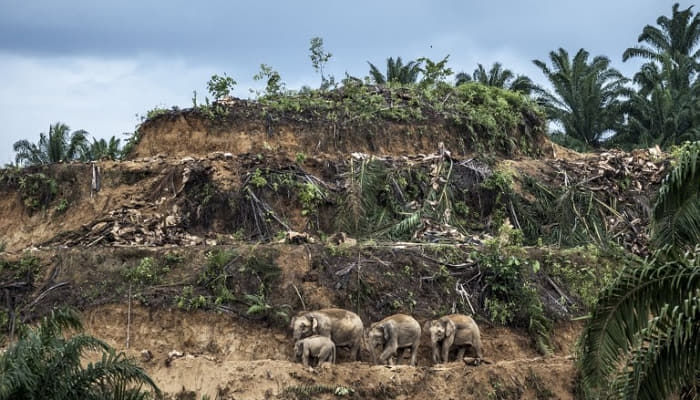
[{"x": 241, "y": 360}]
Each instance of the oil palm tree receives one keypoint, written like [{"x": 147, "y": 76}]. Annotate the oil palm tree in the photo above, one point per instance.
[
  {"x": 43, "y": 364},
  {"x": 396, "y": 72},
  {"x": 59, "y": 145},
  {"x": 644, "y": 333},
  {"x": 660, "y": 113},
  {"x": 676, "y": 37},
  {"x": 102, "y": 149},
  {"x": 665, "y": 110},
  {"x": 587, "y": 97},
  {"x": 499, "y": 77}
]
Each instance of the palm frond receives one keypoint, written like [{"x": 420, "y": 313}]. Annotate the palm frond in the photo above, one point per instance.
[
  {"x": 677, "y": 209},
  {"x": 666, "y": 356},
  {"x": 623, "y": 311}
]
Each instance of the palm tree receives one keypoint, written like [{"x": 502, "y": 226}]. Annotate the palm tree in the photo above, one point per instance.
[
  {"x": 396, "y": 72},
  {"x": 59, "y": 145},
  {"x": 587, "y": 95},
  {"x": 43, "y": 364},
  {"x": 676, "y": 37},
  {"x": 660, "y": 113},
  {"x": 650, "y": 358},
  {"x": 499, "y": 77},
  {"x": 665, "y": 110},
  {"x": 101, "y": 149}
]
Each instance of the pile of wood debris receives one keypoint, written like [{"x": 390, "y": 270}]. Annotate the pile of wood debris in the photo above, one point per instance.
[{"x": 624, "y": 183}]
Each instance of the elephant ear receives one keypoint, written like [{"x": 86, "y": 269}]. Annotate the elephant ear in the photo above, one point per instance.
[
  {"x": 314, "y": 325},
  {"x": 450, "y": 328},
  {"x": 387, "y": 331}
]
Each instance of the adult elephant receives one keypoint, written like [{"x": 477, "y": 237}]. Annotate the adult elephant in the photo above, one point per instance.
[
  {"x": 398, "y": 331},
  {"x": 454, "y": 331},
  {"x": 342, "y": 326}
]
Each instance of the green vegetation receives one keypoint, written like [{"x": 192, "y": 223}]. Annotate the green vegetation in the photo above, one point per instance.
[
  {"x": 220, "y": 86},
  {"x": 59, "y": 145},
  {"x": 587, "y": 95},
  {"x": 499, "y": 77},
  {"x": 305, "y": 392},
  {"x": 43, "y": 364},
  {"x": 104, "y": 150},
  {"x": 665, "y": 109},
  {"x": 642, "y": 338},
  {"x": 396, "y": 72},
  {"x": 238, "y": 284},
  {"x": 676, "y": 224},
  {"x": 147, "y": 272}
]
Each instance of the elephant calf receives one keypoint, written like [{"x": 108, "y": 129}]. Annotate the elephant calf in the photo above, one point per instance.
[
  {"x": 342, "y": 326},
  {"x": 318, "y": 347},
  {"x": 453, "y": 331},
  {"x": 399, "y": 331}
]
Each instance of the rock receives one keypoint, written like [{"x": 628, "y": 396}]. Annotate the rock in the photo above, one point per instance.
[
  {"x": 146, "y": 355},
  {"x": 228, "y": 156},
  {"x": 187, "y": 160},
  {"x": 298, "y": 238}
]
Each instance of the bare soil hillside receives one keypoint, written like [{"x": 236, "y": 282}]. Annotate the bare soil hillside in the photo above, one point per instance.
[{"x": 199, "y": 249}]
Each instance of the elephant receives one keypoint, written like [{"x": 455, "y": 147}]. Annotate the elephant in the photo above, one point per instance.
[
  {"x": 320, "y": 347},
  {"x": 343, "y": 327},
  {"x": 398, "y": 331},
  {"x": 453, "y": 331}
]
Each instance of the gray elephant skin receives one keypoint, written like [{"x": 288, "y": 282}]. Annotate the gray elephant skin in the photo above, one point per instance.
[
  {"x": 454, "y": 331},
  {"x": 398, "y": 331},
  {"x": 343, "y": 327},
  {"x": 319, "y": 347}
]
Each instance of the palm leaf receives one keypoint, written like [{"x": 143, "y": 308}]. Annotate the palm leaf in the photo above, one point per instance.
[
  {"x": 666, "y": 357},
  {"x": 677, "y": 209},
  {"x": 623, "y": 311}
]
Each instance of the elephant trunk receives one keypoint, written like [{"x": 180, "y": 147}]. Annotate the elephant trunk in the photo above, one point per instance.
[{"x": 369, "y": 343}]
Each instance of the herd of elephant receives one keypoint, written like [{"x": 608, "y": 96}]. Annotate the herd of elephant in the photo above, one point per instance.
[{"x": 318, "y": 333}]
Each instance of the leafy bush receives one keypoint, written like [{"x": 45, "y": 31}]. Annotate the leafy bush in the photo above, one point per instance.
[{"x": 147, "y": 272}]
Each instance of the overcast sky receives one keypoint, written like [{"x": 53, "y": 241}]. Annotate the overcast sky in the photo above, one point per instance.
[{"x": 94, "y": 65}]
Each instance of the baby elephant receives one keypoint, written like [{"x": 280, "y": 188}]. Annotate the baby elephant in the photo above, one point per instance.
[
  {"x": 320, "y": 347},
  {"x": 393, "y": 333},
  {"x": 455, "y": 331}
]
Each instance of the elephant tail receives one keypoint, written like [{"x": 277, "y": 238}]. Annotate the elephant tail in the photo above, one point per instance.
[{"x": 333, "y": 355}]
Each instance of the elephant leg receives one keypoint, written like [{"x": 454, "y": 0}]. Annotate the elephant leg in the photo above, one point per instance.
[
  {"x": 478, "y": 349},
  {"x": 436, "y": 354},
  {"x": 387, "y": 353},
  {"x": 414, "y": 352},
  {"x": 305, "y": 358},
  {"x": 355, "y": 351},
  {"x": 460, "y": 353},
  {"x": 324, "y": 355},
  {"x": 404, "y": 354},
  {"x": 446, "y": 353}
]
